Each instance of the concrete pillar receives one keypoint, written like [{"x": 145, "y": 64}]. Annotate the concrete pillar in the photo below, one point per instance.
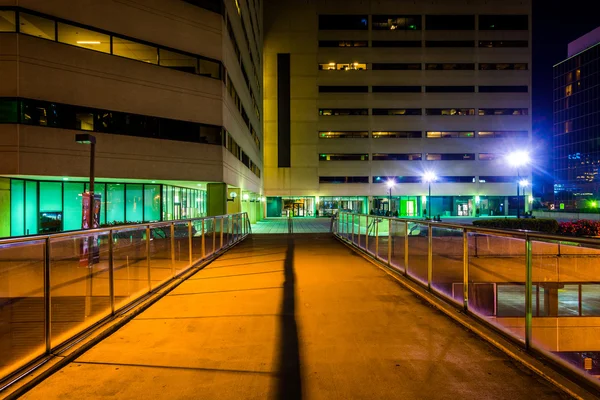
[{"x": 216, "y": 198}]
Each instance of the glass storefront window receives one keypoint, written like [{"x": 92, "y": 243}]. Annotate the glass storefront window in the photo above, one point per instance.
[
  {"x": 151, "y": 203},
  {"x": 73, "y": 212},
  {"x": 134, "y": 211},
  {"x": 17, "y": 207},
  {"x": 115, "y": 203},
  {"x": 31, "y": 208},
  {"x": 329, "y": 205},
  {"x": 51, "y": 207}
]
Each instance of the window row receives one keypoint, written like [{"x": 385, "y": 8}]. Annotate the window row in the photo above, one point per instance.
[
  {"x": 428, "y": 89},
  {"x": 238, "y": 103},
  {"x": 64, "y": 116},
  {"x": 419, "y": 111},
  {"x": 410, "y": 156},
  {"x": 426, "y": 43},
  {"x": 417, "y": 179},
  {"x": 235, "y": 149},
  {"x": 355, "y": 66},
  {"x": 45, "y": 27},
  {"x": 419, "y": 134},
  {"x": 432, "y": 22}
]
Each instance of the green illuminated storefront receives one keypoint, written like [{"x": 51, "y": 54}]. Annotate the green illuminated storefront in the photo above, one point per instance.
[{"x": 29, "y": 207}]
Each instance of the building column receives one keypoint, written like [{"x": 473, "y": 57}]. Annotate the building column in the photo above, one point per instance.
[{"x": 216, "y": 199}]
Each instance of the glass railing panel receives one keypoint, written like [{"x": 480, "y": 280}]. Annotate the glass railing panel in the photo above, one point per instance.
[
  {"x": 197, "y": 240},
  {"x": 22, "y": 306},
  {"x": 566, "y": 303},
  {"x": 383, "y": 238},
  {"x": 447, "y": 262},
  {"x": 355, "y": 229},
  {"x": 497, "y": 271},
  {"x": 130, "y": 261},
  {"x": 161, "y": 264},
  {"x": 79, "y": 283},
  {"x": 417, "y": 251},
  {"x": 209, "y": 235},
  {"x": 221, "y": 232},
  {"x": 181, "y": 260},
  {"x": 398, "y": 232}
]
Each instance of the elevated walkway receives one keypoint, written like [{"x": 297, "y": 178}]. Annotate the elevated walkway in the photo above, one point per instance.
[{"x": 290, "y": 317}]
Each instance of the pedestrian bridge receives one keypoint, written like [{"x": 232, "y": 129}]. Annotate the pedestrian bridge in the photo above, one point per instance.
[{"x": 205, "y": 309}]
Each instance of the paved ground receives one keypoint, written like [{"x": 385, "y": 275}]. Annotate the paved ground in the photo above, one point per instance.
[
  {"x": 287, "y": 318},
  {"x": 301, "y": 225}
]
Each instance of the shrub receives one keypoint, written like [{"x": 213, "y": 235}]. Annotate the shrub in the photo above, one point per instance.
[
  {"x": 582, "y": 227},
  {"x": 547, "y": 225}
]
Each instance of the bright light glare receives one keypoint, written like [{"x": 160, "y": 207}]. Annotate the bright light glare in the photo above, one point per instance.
[
  {"x": 518, "y": 158},
  {"x": 390, "y": 183},
  {"x": 524, "y": 183},
  {"x": 429, "y": 176},
  {"x": 88, "y": 42}
]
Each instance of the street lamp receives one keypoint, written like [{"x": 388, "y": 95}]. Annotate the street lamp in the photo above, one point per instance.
[
  {"x": 390, "y": 184},
  {"x": 429, "y": 177},
  {"x": 518, "y": 159},
  {"x": 86, "y": 138}
]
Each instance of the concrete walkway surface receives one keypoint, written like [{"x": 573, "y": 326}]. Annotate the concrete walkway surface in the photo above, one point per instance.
[{"x": 291, "y": 317}]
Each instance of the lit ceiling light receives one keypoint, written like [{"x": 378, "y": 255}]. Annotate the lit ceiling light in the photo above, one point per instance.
[{"x": 88, "y": 42}]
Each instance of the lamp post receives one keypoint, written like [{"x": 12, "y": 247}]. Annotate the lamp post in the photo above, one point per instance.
[
  {"x": 86, "y": 138},
  {"x": 524, "y": 183},
  {"x": 390, "y": 184},
  {"x": 429, "y": 177},
  {"x": 518, "y": 159}
]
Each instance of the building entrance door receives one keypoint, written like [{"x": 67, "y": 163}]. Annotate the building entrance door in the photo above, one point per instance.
[{"x": 299, "y": 210}]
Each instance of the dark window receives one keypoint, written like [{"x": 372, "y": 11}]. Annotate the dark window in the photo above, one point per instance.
[
  {"x": 343, "y": 134},
  {"x": 396, "y": 43},
  {"x": 343, "y": 22},
  {"x": 503, "y": 66},
  {"x": 343, "y": 89},
  {"x": 503, "y": 89},
  {"x": 503, "y": 111},
  {"x": 283, "y": 111},
  {"x": 449, "y": 89},
  {"x": 211, "y": 5},
  {"x": 396, "y": 66},
  {"x": 497, "y": 179},
  {"x": 397, "y": 157},
  {"x": 449, "y": 43},
  {"x": 343, "y": 43},
  {"x": 455, "y": 179},
  {"x": 396, "y": 22},
  {"x": 397, "y": 179},
  {"x": 503, "y": 134},
  {"x": 343, "y": 111},
  {"x": 396, "y": 111},
  {"x": 343, "y": 157},
  {"x": 503, "y": 43},
  {"x": 396, "y": 89},
  {"x": 503, "y": 22},
  {"x": 450, "y": 134},
  {"x": 449, "y": 67},
  {"x": 343, "y": 179},
  {"x": 449, "y": 22},
  {"x": 450, "y": 156},
  {"x": 9, "y": 111},
  {"x": 398, "y": 134},
  {"x": 450, "y": 111}
]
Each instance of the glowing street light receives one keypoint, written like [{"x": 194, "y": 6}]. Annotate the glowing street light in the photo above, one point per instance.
[
  {"x": 429, "y": 177},
  {"x": 390, "y": 184},
  {"x": 519, "y": 158}
]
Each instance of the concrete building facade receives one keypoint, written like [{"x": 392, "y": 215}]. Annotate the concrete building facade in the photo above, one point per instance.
[
  {"x": 171, "y": 90},
  {"x": 360, "y": 93}
]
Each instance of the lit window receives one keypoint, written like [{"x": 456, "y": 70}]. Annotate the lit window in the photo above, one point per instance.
[
  {"x": 398, "y": 134},
  {"x": 7, "y": 21},
  {"x": 489, "y": 156},
  {"x": 568, "y": 90},
  {"x": 355, "y": 66},
  {"x": 134, "y": 50},
  {"x": 36, "y": 26},
  {"x": 85, "y": 38},
  {"x": 450, "y": 111},
  {"x": 452, "y": 134},
  {"x": 343, "y": 135}
]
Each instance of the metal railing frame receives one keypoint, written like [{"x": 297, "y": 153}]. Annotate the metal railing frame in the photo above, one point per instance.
[
  {"x": 243, "y": 229},
  {"x": 527, "y": 236}
]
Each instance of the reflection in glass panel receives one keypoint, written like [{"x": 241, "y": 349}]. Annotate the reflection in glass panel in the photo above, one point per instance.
[
  {"x": 7, "y": 21},
  {"x": 85, "y": 38},
  {"x": 36, "y": 26},
  {"x": 134, "y": 50},
  {"x": 210, "y": 69},
  {"x": 134, "y": 210},
  {"x": 178, "y": 61}
]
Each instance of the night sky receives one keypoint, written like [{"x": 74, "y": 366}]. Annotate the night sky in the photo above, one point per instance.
[{"x": 555, "y": 24}]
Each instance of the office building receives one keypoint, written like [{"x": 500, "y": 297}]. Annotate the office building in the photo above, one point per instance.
[
  {"x": 577, "y": 125},
  {"x": 361, "y": 93},
  {"x": 170, "y": 89}
]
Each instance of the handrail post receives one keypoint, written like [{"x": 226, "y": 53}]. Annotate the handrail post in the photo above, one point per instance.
[
  {"x": 148, "y": 257},
  {"x": 221, "y": 235},
  {"x": 352, "y": 228},
  {"x": 214, "y": 226},
  {"x": 390, "y": 241},
  {"x": 203, "y": 243},
  {"x": 111, "y": 273},
  {"x": 173, "y": 249},
  {"x": 377, "y": 238},
  {"x": 406, "y": 248},
  {"x": 528, "y": 292},
  {"x": 190, "y": 241},
  {"x": 465, "y": 269},
  {"x": 429, "y": 255},
  {"x": 47, "y": 297}
]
